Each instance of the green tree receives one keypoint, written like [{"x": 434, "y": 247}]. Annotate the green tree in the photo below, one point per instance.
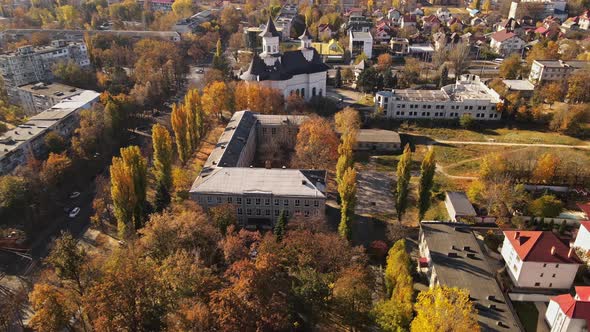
[
  {"x": 128, "y": 189},
  {"x": 426, "y": 182},
  {"x": 444, "y": 76},
  {"x": 444, "y": 309},
  {"x": 466, "y": 121},
  {"x": 54, "y": 142},
  {"x": 14, "y": 194},
  {"x": 280, "y": 226},
  {"x": 223, "y": 216},
  {"x": 68, "y": 260},
  {"x": 347, "y": 192},
  {"x": 162, "y": 145},
  {"x": 403, "y": 174},
  {"x": 546, "y": 206},
  {"x": 338, "y": 78}
]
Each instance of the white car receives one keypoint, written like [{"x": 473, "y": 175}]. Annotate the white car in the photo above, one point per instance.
[
  {"x": 75, "y": 194},
  {"x": 74, "y": 212}
]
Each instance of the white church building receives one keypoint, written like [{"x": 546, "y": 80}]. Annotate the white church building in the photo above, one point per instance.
[{"x": 300, "y": 72}]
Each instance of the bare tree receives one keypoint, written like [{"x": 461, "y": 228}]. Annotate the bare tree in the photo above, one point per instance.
[{"x": 459, "y": 57}]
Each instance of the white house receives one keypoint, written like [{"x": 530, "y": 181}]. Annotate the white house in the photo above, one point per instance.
[
  {"x": 458, "y": 205},
  {"x": 566, "y": 313},
  {"x": 300, "y": 72},
  {"x": 583, "y": 238},
  {"x": 584, "y": 20},
  {"x": 409, "y": 20},
  {"x": 443, "y": 14},
  {"x": 536, "y": 259},
  {"x": 360, "y": 42},
  {"x": 505, "y": 42}
]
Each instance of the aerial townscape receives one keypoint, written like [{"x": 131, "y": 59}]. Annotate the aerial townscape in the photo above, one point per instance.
[{"x": 284, "y": 165}]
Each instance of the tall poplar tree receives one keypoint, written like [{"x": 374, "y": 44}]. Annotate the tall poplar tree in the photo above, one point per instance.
[
  {"x": 179, "y": 119},
  {"x": 162, "y": 170},
  {"x": 426, "y": 182},
  {"x": 403, "y": 182},
  {"x": 347, "y": 192}
]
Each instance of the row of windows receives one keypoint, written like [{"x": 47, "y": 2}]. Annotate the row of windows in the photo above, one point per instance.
[
  {"x": 442, "y": 114},
  {"x": 267, "y": 213},
  {"x": 442, "y": 107},
  {"x": 260, "y": 201}
]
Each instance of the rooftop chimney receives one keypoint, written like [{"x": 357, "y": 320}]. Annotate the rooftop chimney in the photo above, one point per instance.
[
  {"x": 570, "y": 253},
  {"x": 553, "y": 251},
  {"x": 267, "y": 164},
  {"x": 516, "y": 235}
]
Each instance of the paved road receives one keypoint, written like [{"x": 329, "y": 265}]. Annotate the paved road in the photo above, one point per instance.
[{"x": 374, "y": 193}]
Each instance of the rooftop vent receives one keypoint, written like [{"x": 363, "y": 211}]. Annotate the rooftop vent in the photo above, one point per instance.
[
  {"x": 500, "y": 323},
  {"x": 491, "y": 297},
  {"x": 453, "y": 247},
  {"x": 467, "y": 248},
  {"x": 516, "y": 235},
  {"x": 452, "y": 254},
  {"x": 553, "y": 251},
  {"x": 570, "y": 253},
  {"x": 471, "y": 255},
  {"x": 492, "y": 306}
]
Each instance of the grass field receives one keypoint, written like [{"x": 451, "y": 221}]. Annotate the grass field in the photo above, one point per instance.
[
  {"x": 455, "y": 10},
  {"x": 498, "y": 135},
  {"x": 528, "y": 314}
]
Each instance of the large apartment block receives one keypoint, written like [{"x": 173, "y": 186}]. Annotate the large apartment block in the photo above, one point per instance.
[
  {"x": 555, "y": 70},
  {"x": 37, "y": 97},
  {"x": 259, "y": 194},
  {"x": 468, "y": 96},
  {"x": 30, "y": 64},
  {"x": 17, "y": 144}
]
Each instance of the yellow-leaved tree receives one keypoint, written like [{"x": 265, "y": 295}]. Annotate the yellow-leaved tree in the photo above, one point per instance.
[{"x": 444, "y": 309}]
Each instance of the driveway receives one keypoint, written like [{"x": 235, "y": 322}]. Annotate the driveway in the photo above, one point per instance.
[{"x": 374, "y": 196}]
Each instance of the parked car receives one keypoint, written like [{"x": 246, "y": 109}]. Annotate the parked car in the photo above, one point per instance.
[
  {"x": 200, "y": 71},
  {"x": 74, "y": 212},
  {"x": 75, "y": 194}
]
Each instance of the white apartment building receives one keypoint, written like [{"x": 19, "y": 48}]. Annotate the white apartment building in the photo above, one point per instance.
[
  {"x": 360, "y": 42},
  {"x": 566, "y": 313},
  {"x": 555, "y": 70},
  {"x": 37, "y": 97},
  {"x": 505, "y": 42},
  {"x": 18, "y": 144},
  {"x": 300, "y": 72},
  {"x": 30, "y": 64},
  {"x": 259, "y": 194},
  {"x": 583, "y": 237},
  {"x": 536, "y": 259},
  {"x": 468, "y": 96}
]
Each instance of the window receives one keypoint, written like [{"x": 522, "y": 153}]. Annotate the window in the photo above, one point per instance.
[
  {"x": 249, "y": 212},
  {"x": 550, "y": 284},
  {"x": 273, "y": 131},
  {"x": 316, "y": 203},
  {"x": 230, "y": 200},
  {"x": 286, "y": 202},
  {"x": 276, "y": 213},
  {"x": 257, "y": 201},
  {"x": 239, "y": 200},
  {"x": 553, "y": 276},
  {"x": 556, "y": 265},
  {"x": 248, "y": 201},
  {"x": 306, "y": 213},
  {"x": 267, "y": 212},
  {"x": 287, "y": 213},
  {"x": 264, "y": 131},
  {"x": 277, "y": 201},
  {"x": 537, "y": 284},
  {"x": 541, "y": 275},
  {"x": 209, "y": 199},
  {"x": 240, "y": 211},
  {"x": 258, "y": 212},
  {"x": 544, "y": 265},
  {"x": 297, "y": 202},
  {"x": 218, "y": 200},
  {"x": 306, "y": 202},
  {"x": 267, "y": 201}
]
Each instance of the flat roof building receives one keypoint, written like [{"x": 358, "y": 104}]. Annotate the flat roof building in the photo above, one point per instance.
[
  {"x": 37, "y": 97},
  {"x": 378, "y": 140},
  {"x": 555, "y": 70},
  {"x": 458, "y": 206},
  {"x": 450, "y": 255},
  {"x": 258, "y": 194},
  {"x": 468, "y": 96}
]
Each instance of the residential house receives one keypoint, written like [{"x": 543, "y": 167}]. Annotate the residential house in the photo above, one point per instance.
[
  {"x": 325, "y": 32},
  {"x": 301, "y": 72},
  {"x": 458, "y": 206},
  {"x": 330, "y": 51},
  {"x": 394, "y": 16},
  {"x": 584, "y": 20},
  {"x": 383, "y": 32},
  {"x": 423, "y": 52},
  {"x": 399, "y": 46},
  {"x": 510, "y": 25},
  {"x": 360, "y": 42},
  {"x": 443, "y": 14},
  {"x": 539, "y": 259},
  {"x": 468, "y": 96},
  {"x": 451, "y": 256},
  {"x": 505, "y": 43},
  {"x": 408, "y": 20},
  {"x": 583, "y": 237},
  {"x": 524, "y": 87},
  {"x": 431, "y": 22},
  {"x": 456, "y": 22},
  {"x": 358, "y": 68},
  {"x": 359, "y": 24},
  {"x": 567, "y": 313},
  {"x": 555, "y": 70}
]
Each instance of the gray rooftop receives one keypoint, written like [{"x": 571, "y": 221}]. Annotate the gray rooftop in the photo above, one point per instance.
[
  {"x": 51, "y": 89},
  {"x": 378, "y": 135},
  {"x": 361, "y": 35},
  {"x": 461, "y": 203},
  {"x": 564, "y": 64},
  {"x": 276, "y": 181},
  {"x": 519, "y": 85},
  {"x": 471, "y": 273},
  {"x": 421, "y": 95}
]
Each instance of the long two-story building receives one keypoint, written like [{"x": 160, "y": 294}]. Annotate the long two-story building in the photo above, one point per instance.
[
  {"x": 468, "y": 96},
  {"x": 259, "y": 195}
]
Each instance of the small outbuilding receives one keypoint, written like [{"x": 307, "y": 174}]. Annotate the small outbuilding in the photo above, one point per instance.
[
  {"x": 378, "y": 140},
  {"x": 458, "y": 206}
]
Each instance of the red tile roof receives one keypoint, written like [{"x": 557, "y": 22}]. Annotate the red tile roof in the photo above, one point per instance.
[
  {"x": 585, "y": 207},
  {"x": 537, "y": 246},
  {"x": 502, "y": 35},
  {"x": 575, "y": 309},
  {"x": 583, "y": 293}
]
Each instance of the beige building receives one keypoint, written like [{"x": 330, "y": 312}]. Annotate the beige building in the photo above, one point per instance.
[
  {"x": 259, "y": 194},
  {"x": 37, "y": 97},
  {"x": 555, "y": 70},
  {"x": 377, "y": 140}
]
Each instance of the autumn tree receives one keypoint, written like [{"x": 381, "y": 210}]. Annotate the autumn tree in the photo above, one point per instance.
[
  {"x": 347, "y": 192},
  {"x": 459, "y": 57},
  {"x": 54, "y": 142},
  {"x": 427, "y": 170},
  {"x": 317, "y": 144},
  {"x": 162, "y": 169},
  {"x": 403, "y": 175},
  {"x": 182, "y": 8},
  {"x": 128, "y": 189},
  {"x": 546, "y": 206},
  {"x": 179, "y": 119},
  {"x": 487, "y": 5},
  {"x": 384, "y": 61},
  {"x": 510, "y": 68},
  {"x": 345, "y": 152},
  {"x": 546, "y": 168},
  {"x": 195, "y": 116},
  {"x": 578, "y": 87},
  {"x": 67, "y": 260},
  {"x": 352, "y": 296},
  {"x": 52, "y": 310},
  {"x": 444, "y": 309},
  {"x": 217, "y": 98},
  {"x": 223, "y": 216},
  {"x": 552, "y": 92},
  {"x": 55, "y": 169},
  {"x": 259, "y": 98},
  {"x": 347, "y": 120}
]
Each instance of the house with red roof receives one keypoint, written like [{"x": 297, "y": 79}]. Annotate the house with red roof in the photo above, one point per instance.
[
  {"x": 537, "y": 259},
  {"x": 431, "y": 22},
  {"x": 583, "y": 238},
  {"x": 408, "y": 20},
  {"x": 325, "y": 32},
  {"x": 584, "y": 20},
  {"x": 505, "y": 42},
  {"x": 567, "y": 313}
]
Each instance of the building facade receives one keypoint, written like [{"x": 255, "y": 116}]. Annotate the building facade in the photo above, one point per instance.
[
  {"x": 567, "y": 313},
  {"x": 555, "y": 70},
  {"x": 30, "y": 64},
  {"x": 360, "y": 42},
  {"x": 505, "y": 43},
  {"x": 259, "y": 194},
  {"x": 458, "y": 206},
  {"x": 300, "y": 72},
  {"x": 536, "y": 259},
  {"x": 583, "y": 237},
  {"x": 468, "y": 96},
  {"x": 37, "y": 97},
  {"x": 18, "y": 144}
]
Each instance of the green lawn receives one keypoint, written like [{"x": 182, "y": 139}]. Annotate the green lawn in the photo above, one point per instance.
[{"x": 528, "y": 315}]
